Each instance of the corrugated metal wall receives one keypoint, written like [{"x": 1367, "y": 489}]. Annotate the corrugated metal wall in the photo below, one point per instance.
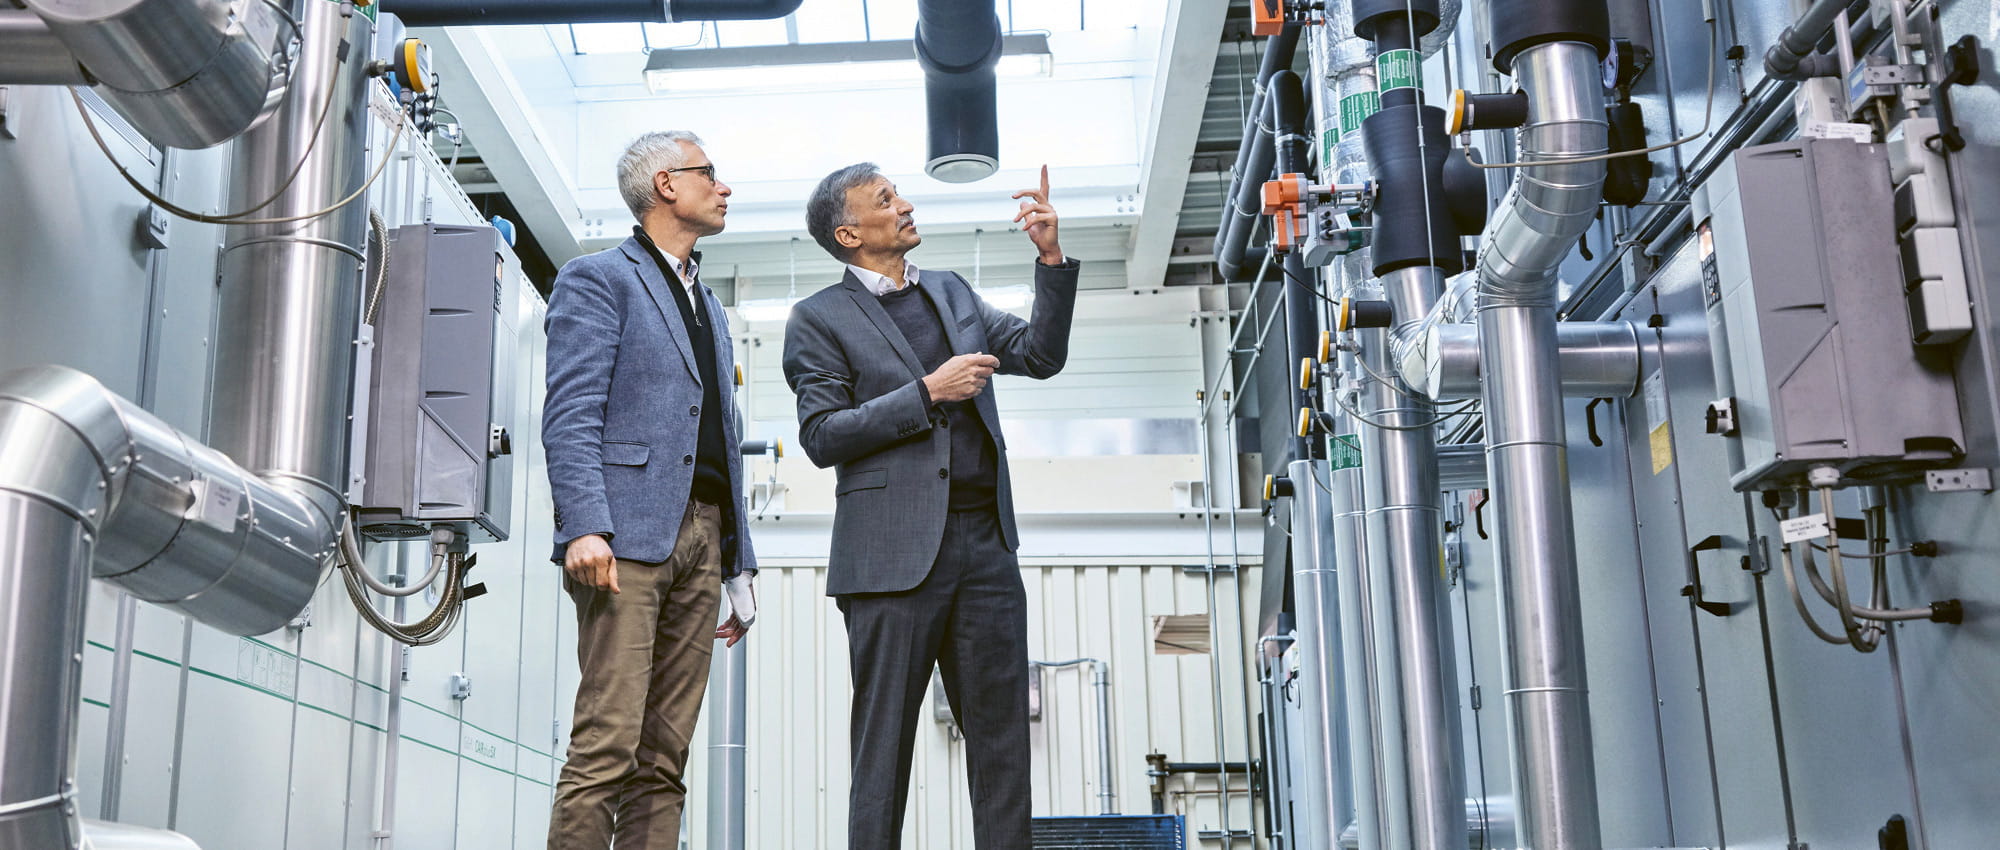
[{"x": 798, "y": 695}]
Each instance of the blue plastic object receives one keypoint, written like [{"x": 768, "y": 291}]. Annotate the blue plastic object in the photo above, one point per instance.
[
  {"x": 506, "y": 229},
  {"x": 1110, "y": 832}
]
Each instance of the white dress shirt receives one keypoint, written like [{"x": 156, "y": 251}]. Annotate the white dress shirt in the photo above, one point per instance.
[
  {"x": 882, "y": 284},
  {"x": 685, "y": 270}
]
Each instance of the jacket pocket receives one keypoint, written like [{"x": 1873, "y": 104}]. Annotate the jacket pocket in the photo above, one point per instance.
[
  {"x": 866, "y": 479},
  {"x": 625, "y": 454}
]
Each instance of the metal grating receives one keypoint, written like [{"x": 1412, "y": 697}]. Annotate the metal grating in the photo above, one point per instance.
[{"x": 1111, "y": 832}]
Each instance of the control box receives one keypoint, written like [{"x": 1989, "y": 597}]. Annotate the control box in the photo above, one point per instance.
[
  {"x": 1810, "y": 330},
  {"x": 440, "y": 386}
]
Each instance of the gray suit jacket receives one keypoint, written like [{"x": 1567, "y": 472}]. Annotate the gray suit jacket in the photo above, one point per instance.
[
  {"x": 622, "y": 415},
  {"x": 862, "y": 411}
]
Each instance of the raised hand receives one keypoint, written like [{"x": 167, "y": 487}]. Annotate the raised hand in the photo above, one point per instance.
[{"x": 1039, "y": 219}]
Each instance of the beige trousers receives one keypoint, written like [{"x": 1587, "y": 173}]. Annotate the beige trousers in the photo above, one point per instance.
[{"x": 644, "y": 655}]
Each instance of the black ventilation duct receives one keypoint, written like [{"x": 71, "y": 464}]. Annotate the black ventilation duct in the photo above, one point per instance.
[{"x": 958, "y": 43}]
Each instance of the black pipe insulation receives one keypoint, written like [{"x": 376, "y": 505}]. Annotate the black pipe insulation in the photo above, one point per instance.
[
  {"x": 439, "y": 13},
  {"x": 958, "y": 44},
  {"x": 1413, "y": 222},
  {"x": 1379, "y": 21},
  {"x": 1289, "y": 119},
  {"x": 1254, "y": 155},
  {"x": 1517, "y": 25}
]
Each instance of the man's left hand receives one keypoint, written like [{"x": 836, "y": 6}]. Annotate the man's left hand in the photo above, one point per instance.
[
  {"x": 1039, "y": 219},
  {"x": 732, "y": 631}
]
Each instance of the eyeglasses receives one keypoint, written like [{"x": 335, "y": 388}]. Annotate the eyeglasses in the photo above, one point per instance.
[{"x": 707, "y": 171}]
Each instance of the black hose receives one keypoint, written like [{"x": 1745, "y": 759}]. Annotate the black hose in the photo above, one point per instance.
[{"x": 1254, "y": 156}]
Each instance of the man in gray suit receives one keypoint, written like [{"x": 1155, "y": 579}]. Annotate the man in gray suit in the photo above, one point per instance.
[
  {"x": 890, "y": 368},
  {"x": 641, "y": 437}
]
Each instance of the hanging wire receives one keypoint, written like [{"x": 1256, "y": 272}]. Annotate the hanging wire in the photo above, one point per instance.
[{"x": 977, "y": 232}]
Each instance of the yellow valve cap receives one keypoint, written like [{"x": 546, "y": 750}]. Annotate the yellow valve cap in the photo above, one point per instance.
[
  {"x": 1305, "y": 373},
  {"x": 1326, "y": 346},
  {"x": 1305, "y": 421},
  {"x": 1270, "y": 487},
  {"x": 779, "y": 444},
  {"x": 1340, "y": 321},
  {"x": 1455, "y": 113},
  {"x": 739, "y": 374}
]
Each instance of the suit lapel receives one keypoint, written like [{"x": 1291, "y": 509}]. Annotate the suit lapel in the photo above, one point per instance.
[
  {"x": 670, "y": 311},
  {"x": 934, "y": 289},
  {"x": 872, "y": 308}
]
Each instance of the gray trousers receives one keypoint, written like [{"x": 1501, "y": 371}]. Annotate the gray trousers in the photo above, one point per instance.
[{"x": 969, "y": 619}]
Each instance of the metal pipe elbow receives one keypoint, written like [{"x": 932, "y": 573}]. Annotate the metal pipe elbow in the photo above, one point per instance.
[
  {"x": 175, "y": 522},
  {"x": 186, "y": 73},
  {"x": 1548, "y": 206}
]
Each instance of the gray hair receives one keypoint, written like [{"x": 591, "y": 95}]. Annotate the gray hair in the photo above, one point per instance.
[
  {"x": 827, "y": 208},
  {"x": 648, "y": 155}
]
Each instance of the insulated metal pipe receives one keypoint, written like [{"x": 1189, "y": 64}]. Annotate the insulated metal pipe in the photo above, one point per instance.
[
  {"x": 728, "y": 741},
  {"x": 1545, "y": 211},
  {"x": 958, "y": 45},
  {"x": 1414, "y": 659},
  {"x": 91, "y": 484},
  {"x": 1100, "y": 679},
  {"x": 1595, "y": 359},
  {"x": 186, "y": 73},
  {"x": 1322, "y": 679},
  {"x": 289, "y": 299},
  {"x": 1462, "y": 467},
  {"x": 31, "y": 55},
  {"x": 1254, "y": 155}
]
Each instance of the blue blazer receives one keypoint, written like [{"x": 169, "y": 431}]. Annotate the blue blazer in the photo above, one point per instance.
[{"x": 623, "y": 410}]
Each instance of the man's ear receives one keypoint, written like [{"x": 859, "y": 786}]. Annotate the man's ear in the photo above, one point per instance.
[
  {"x": 663, "y": 184},
  {"x": 847, "y": 236}
]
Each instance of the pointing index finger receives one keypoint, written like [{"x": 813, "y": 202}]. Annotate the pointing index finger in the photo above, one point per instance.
[{"x": 1045, "y": 183}]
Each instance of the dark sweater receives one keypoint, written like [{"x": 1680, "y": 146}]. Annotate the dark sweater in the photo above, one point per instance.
[
  {"x": 975, "y": 463},
  {"x": 711, "y": 459}
]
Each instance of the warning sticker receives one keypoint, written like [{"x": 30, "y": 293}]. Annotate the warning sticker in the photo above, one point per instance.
[
  {"x": 1660, "y": 434},
  {"x": 1356, "y": 108},
  {"x": 215, "y": 503},
  {"x": 1398, "y": 69},
  {"x": 1344, "y": 452}
]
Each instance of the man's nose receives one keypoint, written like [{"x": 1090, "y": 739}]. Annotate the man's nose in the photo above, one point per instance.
[{"x": 723, "y": 189}]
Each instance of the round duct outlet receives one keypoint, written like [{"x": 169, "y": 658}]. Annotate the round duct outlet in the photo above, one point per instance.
[{"x": 962, "y": 167}]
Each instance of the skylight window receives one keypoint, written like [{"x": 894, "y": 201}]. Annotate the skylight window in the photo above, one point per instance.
[{"x": 831, "y": 21}]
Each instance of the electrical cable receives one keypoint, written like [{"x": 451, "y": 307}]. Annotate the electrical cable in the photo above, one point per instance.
[
  {"x": 376, "y": 287},
  {"x": 170, "y": 207},
  {"x": 312, "y": 142},
  {"x": 1338, "y": 398},
  {"x": 1708, "y": 115}
]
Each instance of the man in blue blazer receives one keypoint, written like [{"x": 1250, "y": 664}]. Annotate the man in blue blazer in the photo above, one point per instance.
[
  {"x": 641, "y": 437},
  {"x": 890, "y": 368}
]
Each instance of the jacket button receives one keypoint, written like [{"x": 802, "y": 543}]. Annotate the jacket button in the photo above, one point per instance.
[
  {"x": 944, "y": 473},
  {"x": 694, "y": 410},
  {"x": 687, "y": 460}
]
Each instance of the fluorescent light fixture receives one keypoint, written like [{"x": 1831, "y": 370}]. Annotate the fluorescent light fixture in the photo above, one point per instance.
[
  {"x": 766, "y": 309},
  {"x": 779, "y": 309},
  {"x": 782, "y": 66},
  {"x": 1007, "y": 297}
]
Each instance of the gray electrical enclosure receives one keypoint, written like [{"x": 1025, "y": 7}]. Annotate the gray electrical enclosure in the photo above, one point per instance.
[
  {"x": 432, "y": 412},
  {"x": 1811, "y": 336}
]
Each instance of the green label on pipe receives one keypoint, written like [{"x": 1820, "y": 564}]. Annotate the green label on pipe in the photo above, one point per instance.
[
  {"x": 1344, "y": 452},
  {"x": 1356, "y": 107},
  {"x": 1398, "y": 69},
  {"x": 1327, "y": 141}
]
